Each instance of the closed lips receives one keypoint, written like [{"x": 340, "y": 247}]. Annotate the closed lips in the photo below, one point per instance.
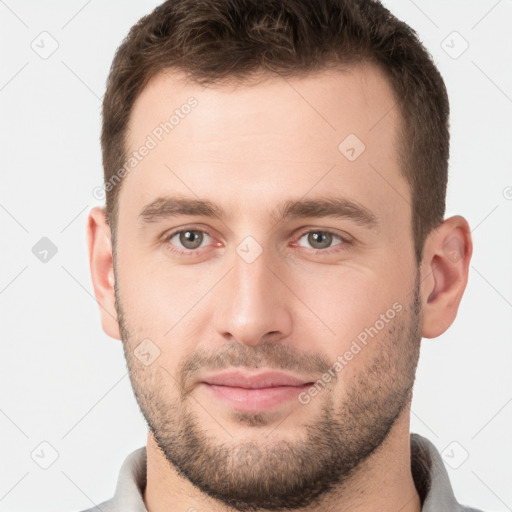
[{"x": 264, "y": 380}]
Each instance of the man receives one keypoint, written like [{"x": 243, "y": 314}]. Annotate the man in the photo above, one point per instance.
[{"x": 272, "y": 251}]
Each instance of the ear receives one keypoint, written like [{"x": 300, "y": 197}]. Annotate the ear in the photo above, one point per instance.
[
  {"x": 444, "y": 274},
  {"x": 102, "y": 269}
]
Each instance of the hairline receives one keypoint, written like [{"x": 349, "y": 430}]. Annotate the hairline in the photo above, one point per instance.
[{"x": 260, "y": 75}]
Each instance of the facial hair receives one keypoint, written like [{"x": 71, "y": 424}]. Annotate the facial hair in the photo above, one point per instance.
[{"x": 276, "y": 473}]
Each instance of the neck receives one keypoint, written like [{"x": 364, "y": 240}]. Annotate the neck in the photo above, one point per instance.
[{"x": 383, "y": 482}]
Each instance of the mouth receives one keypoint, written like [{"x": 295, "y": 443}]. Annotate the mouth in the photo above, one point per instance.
[{"x": 254, "y": 393}]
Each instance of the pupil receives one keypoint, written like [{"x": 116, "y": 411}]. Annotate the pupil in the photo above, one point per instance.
[
  {"x": 191, "y": 239},
  {"x": 322, "y": 240}
]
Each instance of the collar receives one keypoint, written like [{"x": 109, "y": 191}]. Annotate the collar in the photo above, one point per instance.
[{"x": 427, "y": 467}]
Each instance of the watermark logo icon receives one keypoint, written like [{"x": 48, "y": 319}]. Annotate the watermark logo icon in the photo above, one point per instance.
[
  {"x": 44, "y": 455},
  {"x": 45, "y": 45},
  {"x": 455, "y": 455},
  {"x": 351, "y": 147},
  {"x": 147, "y": 352},
  {"x": 249, "y": 249},
  {"x": 44, "y": 250},
  {"x": 454, "y": 45}
]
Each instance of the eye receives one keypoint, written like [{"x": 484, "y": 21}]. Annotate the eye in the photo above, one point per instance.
[
  {"x": 188, "y": 239},
  {"x": 321, "y": 239}
]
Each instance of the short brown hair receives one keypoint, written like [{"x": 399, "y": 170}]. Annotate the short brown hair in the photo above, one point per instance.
[{"x": 215, "y": 40}]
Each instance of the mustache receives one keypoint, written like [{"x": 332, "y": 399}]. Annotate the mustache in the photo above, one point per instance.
[{"x": 271, "y": 355}]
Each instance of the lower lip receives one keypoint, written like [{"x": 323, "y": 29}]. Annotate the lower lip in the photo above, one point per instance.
[{"x": 254, "y": 400}]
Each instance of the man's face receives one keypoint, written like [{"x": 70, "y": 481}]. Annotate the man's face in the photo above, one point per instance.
[{"x": 249, "y": 291}]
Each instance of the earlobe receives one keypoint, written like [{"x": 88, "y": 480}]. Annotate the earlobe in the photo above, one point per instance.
[
  {"x": 445, "y": 266},
  {"x": 102, "y": 269}
]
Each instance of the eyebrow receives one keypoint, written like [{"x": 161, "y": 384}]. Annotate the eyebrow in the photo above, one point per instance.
[{"x": 337, "y": 207}]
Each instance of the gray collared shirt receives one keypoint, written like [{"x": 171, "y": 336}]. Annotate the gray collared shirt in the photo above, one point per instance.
[{"x": 428, "y": 471}]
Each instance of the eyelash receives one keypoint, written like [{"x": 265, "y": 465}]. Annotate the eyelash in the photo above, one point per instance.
[
  {"x": 345, "y": 241},
  {"x": 195, "y": 252}
]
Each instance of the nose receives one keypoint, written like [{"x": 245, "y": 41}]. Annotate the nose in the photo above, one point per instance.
[{"x": 253, "y": 302}]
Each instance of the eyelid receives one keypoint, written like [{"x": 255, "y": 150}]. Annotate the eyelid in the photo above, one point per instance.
[
  {"x": 335, "y": 232},
  {"x": 346, "y": 240},
  {"x": 186, "y": 227},
  {"x": 313, "y": 229},
  {"x": 179, "y": 231},
  {"x": 166, "y": 239}
]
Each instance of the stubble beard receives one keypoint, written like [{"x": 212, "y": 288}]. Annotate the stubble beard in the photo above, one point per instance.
[{"x": 276, "y": 471}]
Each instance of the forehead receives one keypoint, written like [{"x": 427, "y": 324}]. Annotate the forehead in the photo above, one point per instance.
[{"x": 334, "y": 131}]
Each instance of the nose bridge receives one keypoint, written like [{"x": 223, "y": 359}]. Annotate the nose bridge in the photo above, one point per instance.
[
  {"x": 251, "y": 284},
  {"x": 253, "y": 301}
]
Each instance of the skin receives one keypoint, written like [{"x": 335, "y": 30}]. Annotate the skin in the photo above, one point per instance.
[{"x": 248, "y": 149}]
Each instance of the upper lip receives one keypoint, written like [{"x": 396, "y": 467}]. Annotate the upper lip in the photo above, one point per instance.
[{"x": 251, "y": 381}]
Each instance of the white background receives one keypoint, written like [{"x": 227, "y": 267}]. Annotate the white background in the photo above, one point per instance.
[{"x": 64, "y": 382}]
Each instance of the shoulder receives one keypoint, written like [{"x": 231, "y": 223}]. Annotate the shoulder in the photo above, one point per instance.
[
  {"x": 128, "y": 496},
  {"x": 106, "y": 506}
]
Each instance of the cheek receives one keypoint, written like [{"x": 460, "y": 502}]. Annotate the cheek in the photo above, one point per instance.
[
  {"x": 169, "y": 310},
  {"x": 158, "y": 296},
  {"x": 347, "y": 303}
]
